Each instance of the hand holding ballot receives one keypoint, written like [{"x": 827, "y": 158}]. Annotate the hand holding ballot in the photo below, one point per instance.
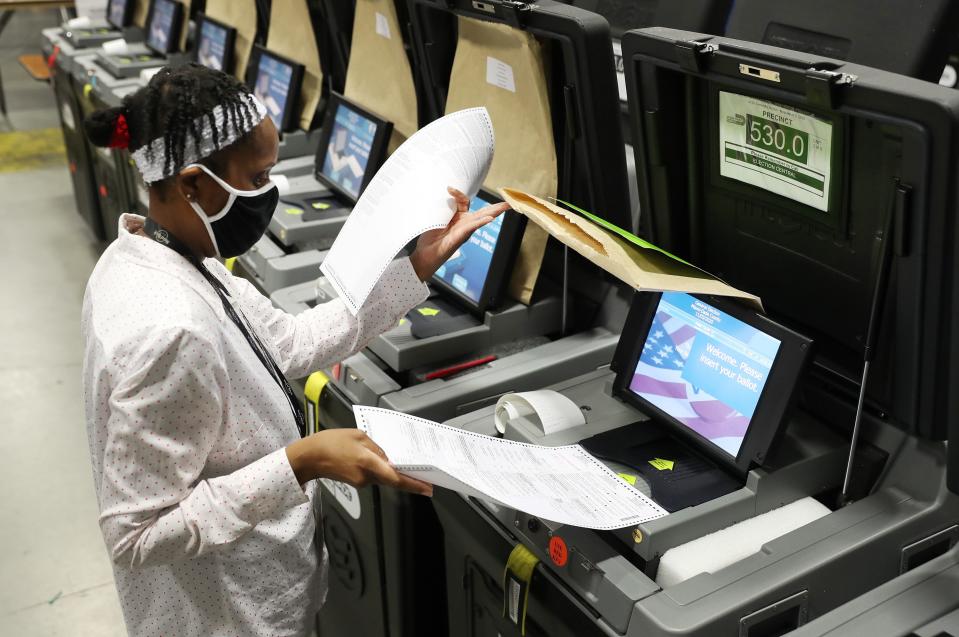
[
  {"x": 560, "y": 484},
  {"x": 410, "y": 197}
]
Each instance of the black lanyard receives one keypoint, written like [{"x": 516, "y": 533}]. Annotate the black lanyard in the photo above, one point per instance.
[{"x": 162, "y": 236}]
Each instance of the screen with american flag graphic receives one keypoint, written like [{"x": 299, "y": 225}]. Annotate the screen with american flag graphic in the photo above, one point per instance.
[{"x": 704, "y": 369}]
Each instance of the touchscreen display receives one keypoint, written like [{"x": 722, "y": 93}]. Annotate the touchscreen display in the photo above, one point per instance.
[
  {"x": 776, "y": 148},
  {"x": 704, "y": 369},
  {"x": 118, "y": 9},
  {"x": 161, "y": 25},
  {"x": 212, "y": 45},
  {"x": 467, "y": 269},
  {"x": 272, "y": 87},
  {"x": 348, "y": 151}
]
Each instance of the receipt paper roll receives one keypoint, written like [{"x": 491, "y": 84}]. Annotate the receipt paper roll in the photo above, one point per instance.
[{"x": 554, "y": 411}]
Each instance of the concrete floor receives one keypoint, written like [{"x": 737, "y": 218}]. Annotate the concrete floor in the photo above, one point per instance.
[{"x": 55, "y": 577}]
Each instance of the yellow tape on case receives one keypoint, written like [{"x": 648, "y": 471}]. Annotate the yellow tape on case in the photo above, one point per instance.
[
  {"x": 516, "y": 583},
  {"x": 311, "y": 399}
]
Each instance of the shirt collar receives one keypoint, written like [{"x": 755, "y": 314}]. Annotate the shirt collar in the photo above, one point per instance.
[{"x": 145, "y": 251}]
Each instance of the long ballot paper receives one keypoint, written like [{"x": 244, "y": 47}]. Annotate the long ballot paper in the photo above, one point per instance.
[
  {"x": 646, "y": 267},
  {"x": 560, "y": 484},
  {"x": 408, "y": 197}
]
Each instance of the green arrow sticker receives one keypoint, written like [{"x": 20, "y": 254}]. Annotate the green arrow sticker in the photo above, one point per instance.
[{"x": 663, "y": 465}]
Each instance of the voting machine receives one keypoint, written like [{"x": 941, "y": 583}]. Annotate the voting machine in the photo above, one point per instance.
[
  {"x": 385, "y": 542},
  {"x": 824, "y": 188},
  {"x": 311, "y": 214},
  {"x": 165, "y": 24}
]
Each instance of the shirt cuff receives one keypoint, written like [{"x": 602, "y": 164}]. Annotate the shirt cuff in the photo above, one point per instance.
[
  {"x": 271, "y": 487},
  {"x": 401, "y": 288}
]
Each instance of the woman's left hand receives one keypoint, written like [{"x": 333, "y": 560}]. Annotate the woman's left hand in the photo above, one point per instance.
[{"x": 435, "y": 247}]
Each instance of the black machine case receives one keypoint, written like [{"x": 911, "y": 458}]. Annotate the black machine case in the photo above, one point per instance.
[{"x": 818, "y": 272}]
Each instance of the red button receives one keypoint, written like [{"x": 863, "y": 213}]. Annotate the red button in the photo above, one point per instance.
[
  {"x": 103, "y": 190},
  {"x": 558, "y": 551},
  {"x": 337, "y": 371}
]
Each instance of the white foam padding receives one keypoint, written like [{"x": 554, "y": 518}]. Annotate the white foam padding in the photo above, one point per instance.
[{"x": 718, "y": 550}]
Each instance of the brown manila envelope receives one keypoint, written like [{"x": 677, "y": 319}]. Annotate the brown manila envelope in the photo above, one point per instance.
[
  {"x": 241, "y": 15},
  {"x": 291, "y": 35},
  {"x": 634, "y": 261},
  {"x": 503, "y": 69}
]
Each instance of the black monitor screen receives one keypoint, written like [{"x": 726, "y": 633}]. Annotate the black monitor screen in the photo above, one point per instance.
[
  {"x": 117, "y": 13},
  {"x": 274, "y": 80},
  {"x": 160, "y": 29},
  {"x": 212, "y": 45},
  {"x": 704, "y": 369},
  {"x": 348, "y": 150},
  {"x": 466, "y": 271}
]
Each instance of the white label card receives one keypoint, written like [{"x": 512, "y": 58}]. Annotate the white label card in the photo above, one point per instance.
[
  {"x": 776, "y": 148},
  {"x": 499, "y": 73},
  {"x": 347, "y": 496},
  {"x": 382, "y": 26},
  {"x": 67, "y": 115}
]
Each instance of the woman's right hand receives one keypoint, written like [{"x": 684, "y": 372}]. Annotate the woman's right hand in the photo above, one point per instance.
[{"x": 348, "y": 455}]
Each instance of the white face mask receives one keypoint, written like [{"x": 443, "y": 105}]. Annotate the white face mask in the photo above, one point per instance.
[{"x": 242, "y": 220}]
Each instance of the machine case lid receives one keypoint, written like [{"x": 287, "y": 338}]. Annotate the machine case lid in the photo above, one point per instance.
[{"x": 893, "y": 163}]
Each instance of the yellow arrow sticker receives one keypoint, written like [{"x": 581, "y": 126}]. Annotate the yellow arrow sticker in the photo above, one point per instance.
[
  {"x": 661, "y": 464},
  {"x": 628, "y": 478},
  {"x": 293, "y": 211},
  {"x": 229, "y": 263},
  {"x": 402, "y": 321},
  {"x": 428, "y": 311},
  {"x": 87, "y": 89},
  {"x": 319, "y": 205}
]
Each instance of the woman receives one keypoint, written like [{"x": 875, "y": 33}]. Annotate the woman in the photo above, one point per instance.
[{"x": 204, "y": 484}]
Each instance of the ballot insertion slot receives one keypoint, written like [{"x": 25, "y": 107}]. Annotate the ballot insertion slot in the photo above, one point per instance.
[
  {"x": 778, "y": 618},
  {"x": 927, "y": 549}
]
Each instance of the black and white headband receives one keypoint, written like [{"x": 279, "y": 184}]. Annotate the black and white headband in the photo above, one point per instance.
[{"x": 151, "y": 158}]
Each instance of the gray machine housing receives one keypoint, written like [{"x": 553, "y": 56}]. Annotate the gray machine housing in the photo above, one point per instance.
[
  {"x": 906, "y": 517},
  {"x": 848, "y": 552},
  {"x": 920, "y": 603},
  {"x": 366, "y": 380}
]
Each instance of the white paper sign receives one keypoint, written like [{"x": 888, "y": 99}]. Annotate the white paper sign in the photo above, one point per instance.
[
  {"x": 382, "y": 26},
  {"x": 560, "y": 484},
  {"x": 775, "y": 147},
  {"x": 408, "y": 197},
  {"x": 499, "y": 73},
  {"x": 554, "y": 411}
]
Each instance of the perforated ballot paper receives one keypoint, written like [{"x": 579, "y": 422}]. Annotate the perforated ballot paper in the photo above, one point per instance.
[
  {"x": 407, "y": 197},
  {"x": 560, "y": 484},
  {"x": 776, "y": 147}
]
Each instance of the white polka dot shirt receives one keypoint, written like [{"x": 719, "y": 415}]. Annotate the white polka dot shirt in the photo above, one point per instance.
[{"x": 209, "y": 531}]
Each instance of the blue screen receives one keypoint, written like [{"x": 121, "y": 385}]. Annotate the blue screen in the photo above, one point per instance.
[
  {"x": 348, "y": 151},
  {"x": 161, "y": 25},
  {"x": 117, "y": 11},
  {"x": 212, "y": 46},
  {"x": 704, "y": 368},
  {"x": 272, "y": 87},
  {"x": 467, "y": 269}
]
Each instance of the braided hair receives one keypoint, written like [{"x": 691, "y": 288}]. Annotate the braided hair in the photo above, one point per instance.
[{"x": 170, "y": 107}]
